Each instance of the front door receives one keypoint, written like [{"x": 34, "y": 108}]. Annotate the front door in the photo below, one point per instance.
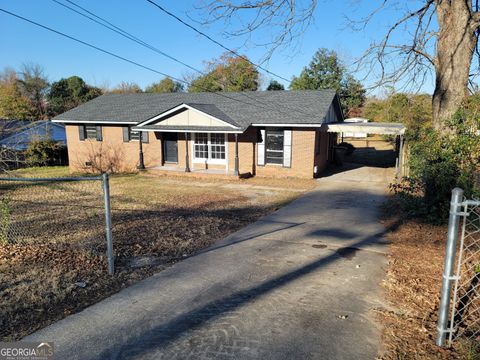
[{"x": 170, "y": 149}]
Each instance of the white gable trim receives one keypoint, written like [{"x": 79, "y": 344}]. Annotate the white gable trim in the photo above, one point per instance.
[{"x": 166, "y": 113}]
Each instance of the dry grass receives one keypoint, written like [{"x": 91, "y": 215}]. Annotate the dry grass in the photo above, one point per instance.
[
  {"x": 413, "y": 286},
  {"x": 158, "y": 220}
]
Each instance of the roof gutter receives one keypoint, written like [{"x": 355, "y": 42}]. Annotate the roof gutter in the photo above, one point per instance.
[{"x": 96, "y": 122}]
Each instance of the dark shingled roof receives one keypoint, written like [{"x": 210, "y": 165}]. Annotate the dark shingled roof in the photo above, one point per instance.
[{"x": 242, "y": 108}]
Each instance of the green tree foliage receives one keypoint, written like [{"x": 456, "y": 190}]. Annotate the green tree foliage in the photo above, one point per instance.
[
  {"x": 441, "y": 161},
  {"x": 229, "y": 73},
  {"x": 43, "y": 153},
  {"x": 13, "y": 105},
  {"x": 327, "y": 71},
  {"x": 413, "y": 110},
  {"x": 126, "y": 88},
  {"x": 166, "y": 85},
  {"x": 275, "y": 85},
  {"x": 33, "y": 85},
  {"x": 66, "y": 94}
]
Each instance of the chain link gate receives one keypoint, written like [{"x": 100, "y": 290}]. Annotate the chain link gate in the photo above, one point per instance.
[{"x": 459, "y": 313}]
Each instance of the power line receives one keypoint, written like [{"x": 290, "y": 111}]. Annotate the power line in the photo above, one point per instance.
[
  {"x": 109, "y": 25},
  {"x": 213, "y": 40},
  {"x": 122, "y": 58},
  {"x": 122, "y": 32}
]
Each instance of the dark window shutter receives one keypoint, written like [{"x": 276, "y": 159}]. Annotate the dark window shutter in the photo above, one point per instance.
[
  {"x": 81, "y": 132},
  {"x": 144, "y": 137},
  {"x": 126, "y": 134},
  {"x": 99, "y": 133}
]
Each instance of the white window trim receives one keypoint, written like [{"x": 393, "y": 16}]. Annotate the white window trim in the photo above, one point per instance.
[{"x": 209, "y": 160}]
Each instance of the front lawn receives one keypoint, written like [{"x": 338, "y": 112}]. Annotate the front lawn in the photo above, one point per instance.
[{"x": 52, "y": 260}]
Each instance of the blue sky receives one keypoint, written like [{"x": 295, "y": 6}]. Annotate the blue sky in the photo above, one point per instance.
[{"x": 60, "y": 57}]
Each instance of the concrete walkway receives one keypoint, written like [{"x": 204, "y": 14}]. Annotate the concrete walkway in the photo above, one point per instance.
[{"x": 298, "y": 284}]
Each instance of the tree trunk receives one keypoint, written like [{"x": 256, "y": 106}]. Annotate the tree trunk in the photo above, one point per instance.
[{"x": 455, "y": 46}]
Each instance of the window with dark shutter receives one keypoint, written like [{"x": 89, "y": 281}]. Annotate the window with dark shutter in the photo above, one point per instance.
[
  {"x": 81, "y": 132},
  {"x": 129, "y": 135},
  {"x": 126, "y": 133},
  {"x": 90, "y": 132},
  {"x": 274, "y": 146}
]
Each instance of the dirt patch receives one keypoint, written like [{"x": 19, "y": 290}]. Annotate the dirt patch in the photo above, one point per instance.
[
  {"x": 54, "y": 263},
  {"x": 413, "y": 287}
]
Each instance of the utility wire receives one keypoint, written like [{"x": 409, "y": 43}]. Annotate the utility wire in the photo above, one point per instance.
[
  {"x": 105, "y": 23},
  {"x": 123, "y": 58},
  {"x": 109, "y": 25},
  {"x": 169, "y": 13}
]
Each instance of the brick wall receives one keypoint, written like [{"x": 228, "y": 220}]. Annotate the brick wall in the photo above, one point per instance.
[
  {"x": 111, "y": 147},
  {"x": 303, "y": 145},
  {"x": 304, "y": 157}
]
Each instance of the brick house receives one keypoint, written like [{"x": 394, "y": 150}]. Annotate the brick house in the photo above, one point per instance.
[{"x": 270, "y": 133}]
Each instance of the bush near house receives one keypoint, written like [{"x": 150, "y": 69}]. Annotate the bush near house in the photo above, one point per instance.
[
  {"x": 441, "y": 161},
  {"x": 44, "y": 153}
]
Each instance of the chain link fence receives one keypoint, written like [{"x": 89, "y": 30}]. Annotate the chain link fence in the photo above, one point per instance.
[
  {"x": 459, "y": 313},
  {"x": 61, "y": 214}
]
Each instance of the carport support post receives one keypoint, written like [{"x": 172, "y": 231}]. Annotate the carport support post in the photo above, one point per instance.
[
  {"x": 452, "y": 235},
  {"x": 187, "y": 161},
  {"x": 236, "y": 172},
  {"x": 108, "y": 222},
  {"x": 400, "y": 159}
]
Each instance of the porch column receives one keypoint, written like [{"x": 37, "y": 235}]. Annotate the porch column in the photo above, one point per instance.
[
  {"x": 236, "y": 156},
  {"x": 187, "y": 161},
  {"x": 141, "y": 164}
]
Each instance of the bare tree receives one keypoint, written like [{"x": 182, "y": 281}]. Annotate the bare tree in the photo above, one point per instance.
[
  {"x": 33, "y": 84},
  {"x": 441, "y": 37},
  {"x": 10, "y": 156}
]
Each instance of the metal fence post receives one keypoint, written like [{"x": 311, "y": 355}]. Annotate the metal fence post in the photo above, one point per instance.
[
  {"x": 452, "y": 235},
  {"x": 108, "y": 223}
]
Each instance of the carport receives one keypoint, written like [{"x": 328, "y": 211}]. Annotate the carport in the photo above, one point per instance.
[{"x": 396, "y": 129}]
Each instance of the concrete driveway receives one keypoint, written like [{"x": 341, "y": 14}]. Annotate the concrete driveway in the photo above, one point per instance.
[{"x": 300, "y": 283}]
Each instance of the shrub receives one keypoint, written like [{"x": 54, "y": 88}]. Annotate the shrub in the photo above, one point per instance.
[
  {"x": 43, "y": 153},
  {"x": 441, "y": 161}
]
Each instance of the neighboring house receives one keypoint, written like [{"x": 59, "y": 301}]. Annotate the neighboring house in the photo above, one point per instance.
[
  {"x": 352, "y": 134},
  {"x": 271, "y": 133},
  {"x": 21, "y": 135},
  {"x": 9, "y": 127}
]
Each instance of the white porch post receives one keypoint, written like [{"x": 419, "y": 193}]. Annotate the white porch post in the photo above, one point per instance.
[
  {"x": 187, "y": 161},
  {"x": 236, "y": 172},
  {"x": 226, "y": 153}
]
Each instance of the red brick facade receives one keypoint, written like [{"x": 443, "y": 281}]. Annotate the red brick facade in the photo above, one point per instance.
[{"x": 310, "y": 149}]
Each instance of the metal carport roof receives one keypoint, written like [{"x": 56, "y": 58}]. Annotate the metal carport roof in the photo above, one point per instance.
[{"x": 367, "y": 128}]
